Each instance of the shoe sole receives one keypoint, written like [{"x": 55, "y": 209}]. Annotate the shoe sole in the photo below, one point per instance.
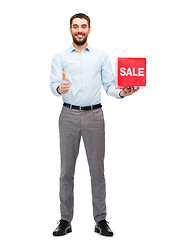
[
  {"x": 97, "y": 230},
  {"x": 69, "y": 230}
]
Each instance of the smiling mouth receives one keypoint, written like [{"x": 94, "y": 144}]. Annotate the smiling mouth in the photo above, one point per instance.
[{"x": 79, "y": 35}]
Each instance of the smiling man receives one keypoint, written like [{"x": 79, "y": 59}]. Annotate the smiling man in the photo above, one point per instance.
[{"x": 77, "y": 74}]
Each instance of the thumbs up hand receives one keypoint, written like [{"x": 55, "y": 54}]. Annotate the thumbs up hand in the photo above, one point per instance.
[{"x": 64, "y": 86}]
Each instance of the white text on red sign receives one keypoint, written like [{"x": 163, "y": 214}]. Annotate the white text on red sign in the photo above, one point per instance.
[{"x": 131, "y": 71}]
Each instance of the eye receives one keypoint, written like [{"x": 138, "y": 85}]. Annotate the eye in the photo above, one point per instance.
[{"x": 75, "y": 26}]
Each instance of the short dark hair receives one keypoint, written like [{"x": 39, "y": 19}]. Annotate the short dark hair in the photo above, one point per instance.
[{"x": 79, "y": 15}]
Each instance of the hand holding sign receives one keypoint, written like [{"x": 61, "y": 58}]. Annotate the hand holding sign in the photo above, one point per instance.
[
  {"x": 64, "y": 86},
  {"x": 128, "y": 91},
  {"x": 130, "y": 72}
]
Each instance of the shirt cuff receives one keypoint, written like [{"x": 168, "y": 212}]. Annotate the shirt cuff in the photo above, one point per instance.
[
  {"x": 112, "y": 91},
  {"x": 54, "y": 87},
  {"x": 119, "y": 97}
]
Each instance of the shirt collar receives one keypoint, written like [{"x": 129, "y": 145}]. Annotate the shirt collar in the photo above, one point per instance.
[{"x": 72, "y": 48}]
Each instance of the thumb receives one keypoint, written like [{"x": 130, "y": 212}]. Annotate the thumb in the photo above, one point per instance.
[{"x": 64, "y": 76}]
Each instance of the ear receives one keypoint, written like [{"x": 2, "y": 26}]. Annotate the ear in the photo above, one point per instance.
[
  {"x": 70, "y": 30},
  {"x": 89, "y": 29}
]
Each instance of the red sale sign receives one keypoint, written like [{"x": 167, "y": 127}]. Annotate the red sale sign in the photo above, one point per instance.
[{"x": 130, "y": 72}]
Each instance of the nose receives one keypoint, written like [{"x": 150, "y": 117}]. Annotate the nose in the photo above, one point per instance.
[{"x": 80, "y": 29}]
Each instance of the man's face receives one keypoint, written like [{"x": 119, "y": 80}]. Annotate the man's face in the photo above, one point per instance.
[{"x": 80, "y": 30}]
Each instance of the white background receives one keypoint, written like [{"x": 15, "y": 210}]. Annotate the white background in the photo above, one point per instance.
[{"x": 136, "y": 161}]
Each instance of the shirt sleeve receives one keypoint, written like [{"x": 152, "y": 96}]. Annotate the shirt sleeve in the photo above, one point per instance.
[
  {"x": 108, "y": 79},
  {"x": 56, "y": 74}
]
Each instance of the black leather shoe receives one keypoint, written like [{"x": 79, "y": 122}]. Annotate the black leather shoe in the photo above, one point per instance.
[
  {"x": 63, "y": 228},
  {"x": 103, "y": 228}
]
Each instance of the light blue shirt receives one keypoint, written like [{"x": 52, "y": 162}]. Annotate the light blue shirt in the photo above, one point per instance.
[{"x": 86, "y": 72}]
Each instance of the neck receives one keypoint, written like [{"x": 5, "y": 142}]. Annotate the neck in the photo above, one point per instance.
[{"x": 80, "y": 47}]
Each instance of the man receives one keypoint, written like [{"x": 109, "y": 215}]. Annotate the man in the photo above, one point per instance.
[{"x": 77, "y": 75}]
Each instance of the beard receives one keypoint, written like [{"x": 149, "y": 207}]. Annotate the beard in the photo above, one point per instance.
[{"x": 79, "y": 42}]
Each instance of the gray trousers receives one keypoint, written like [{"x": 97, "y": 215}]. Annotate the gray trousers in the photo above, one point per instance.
[{"x": 90, "y": 125}]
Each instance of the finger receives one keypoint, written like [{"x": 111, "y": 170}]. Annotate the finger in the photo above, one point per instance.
[
  {"x": 125, "y": 90},
  {"x": 65, "y": 83},
  {"x": 123, "y": 93},
  {"x": 64, "y": 76},
  {"x": 131, "y": 91},
  {"x": 136, "y": 89},
  {"x": 64, "y": 92},
  {"x": 65, "y": 89}
]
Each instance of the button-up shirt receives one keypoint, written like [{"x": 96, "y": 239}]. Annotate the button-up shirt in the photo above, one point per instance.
[{"x": 86, "y": 72}]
